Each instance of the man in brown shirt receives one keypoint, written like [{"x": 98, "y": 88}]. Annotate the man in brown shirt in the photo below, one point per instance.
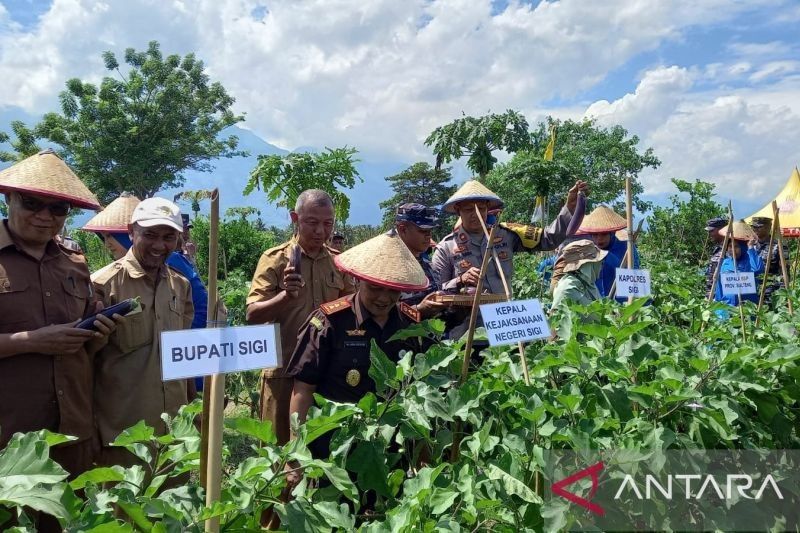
[
  {"x": 283, "y": 295},
  {"x": 128, "y": 385},
  {"x": 45, "y": 362}
]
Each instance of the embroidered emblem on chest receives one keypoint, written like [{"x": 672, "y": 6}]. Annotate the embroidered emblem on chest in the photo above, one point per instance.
[
  {"x": 353, "y": 377},
  {"x": 465, "y": 264},
  {"x": 462, "y": 237},
  {"x": 503, "y": 255},
  {"x": 356, "y": 332}
]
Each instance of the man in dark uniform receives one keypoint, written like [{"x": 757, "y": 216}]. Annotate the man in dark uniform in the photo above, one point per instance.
[
  {"x": 712, "y": 227},
  {"x": 762, "y": 226},
  {"x": 332, "y": 356},
  {"x": 413, "y": 224}
]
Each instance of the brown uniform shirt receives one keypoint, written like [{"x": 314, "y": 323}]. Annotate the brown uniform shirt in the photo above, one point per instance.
[
  {"x": 40, "y": 391},
  {"x": 324, "y": 283},
  {"x": 128, "y": 385}
]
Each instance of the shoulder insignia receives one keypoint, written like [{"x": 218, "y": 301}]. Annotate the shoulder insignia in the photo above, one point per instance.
[
  {"x": 277, "y": 249},
  {"x": 69, "y": 245},
  {"x": 335, "y": 306},
  {"x": 332, "y": 251},
  {"x": 410, "y": 312},
  {"x": 316, "y": 322},
  {"x": 530, "y": 236},
  {"x": 502, "y": 255},
  {"x": 498, "y": 240},
  {"x": 462, "y": 237}
]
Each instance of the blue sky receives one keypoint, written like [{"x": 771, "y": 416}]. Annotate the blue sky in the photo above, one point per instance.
[{"x": 712, "y": 85}]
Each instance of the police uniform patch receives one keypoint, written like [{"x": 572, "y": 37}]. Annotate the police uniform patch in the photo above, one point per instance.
[
  {"x": 498, "y": 239},
  {"x": 334, "y": 306},
  {"x": 316, "y": 322},
  {"x": 503, "y": 255},
  {"x": 462, "y": 237},
  {"x": 461, "y": 248},
  {"x": 464, "y": 264},
  {"x": 356, "y": 332}
]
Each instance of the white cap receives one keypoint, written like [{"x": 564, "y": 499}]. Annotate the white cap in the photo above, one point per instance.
[{"x": 157, "y": 212}]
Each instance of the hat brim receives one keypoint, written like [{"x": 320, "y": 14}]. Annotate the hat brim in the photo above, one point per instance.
[
  {"x": 573, "y": 266},
  {"x": 595, "y": 231},
  {"x": 153, "y": 222},
  {"x": 73, "y": 200},
  {"x": 417, "y": 224},
  {"x": 402, "y": 287},
  {"x": 494, "y": 203}
]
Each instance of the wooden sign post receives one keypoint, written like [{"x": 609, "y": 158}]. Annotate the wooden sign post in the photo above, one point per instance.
[{"x": 776, "y": 214}]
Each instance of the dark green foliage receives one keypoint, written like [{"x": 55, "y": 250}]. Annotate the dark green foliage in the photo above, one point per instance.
[
  {"x": 240, "y": 246},
  {"x": 477, "y": 138},
  {"x": 96, "y": 253},
  {"x": 583, "y": 150},
  {"x": 284, "y": 177},
  {"x": 420, "y": 184},
  {"x": 139, "y": 131},
  {"x": 683, "y": 222},
  {"x": 24, "y": 145}
]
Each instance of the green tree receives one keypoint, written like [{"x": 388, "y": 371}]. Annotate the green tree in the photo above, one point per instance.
[
  {"x": 23, "y": 145},
  {"x": 284, "y": 177},
  {"x": 419, "y": 183},
  {"x": 194, "y": 197},
  {"x": 683, "y": 221},
  {"x": 140, "y": 131},
  {"x": 476, "y": 138},
  {"x": 583, "y": 150},
  {"x": 241, "y": 212}
]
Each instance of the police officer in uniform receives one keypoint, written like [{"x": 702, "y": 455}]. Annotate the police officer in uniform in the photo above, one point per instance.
[
  {"x": 332, "y": 356},
  {"x": 712, "y": 227},
  {"x": 762, "y": 227}
]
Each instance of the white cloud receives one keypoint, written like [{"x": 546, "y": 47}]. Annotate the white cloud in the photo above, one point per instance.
[
  {"x": 743, "y": 140},
  {"x": 378, "y": 75}
]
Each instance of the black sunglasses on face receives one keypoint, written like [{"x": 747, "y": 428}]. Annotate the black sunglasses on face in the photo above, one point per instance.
[{"x": 57, "y": 209}]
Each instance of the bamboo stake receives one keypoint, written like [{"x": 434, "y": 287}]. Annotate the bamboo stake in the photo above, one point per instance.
[
  {"x": 766, "y": 273},
  {"x": 629, "y": 216},
  {"x": 715, "y": 277},
  {"x": 635, "y": 238},
  {"x": 736, "y": 271},
  {"x": 506, "y": 288},
  {"x": 473, "y": 317},
  {"x": 217, "y": 381},
  {"x": 776, "y": 214}
]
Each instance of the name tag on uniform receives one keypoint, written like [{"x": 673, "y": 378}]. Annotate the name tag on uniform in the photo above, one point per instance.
[{"x": 356, "y": 344}]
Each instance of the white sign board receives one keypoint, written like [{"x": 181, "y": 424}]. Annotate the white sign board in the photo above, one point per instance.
[
  {"x": 734, "y": 284},
  {"x": 190, "y": 353},
  {"x": 515, "y": 321},
  {"x": 632, "y": 282}
]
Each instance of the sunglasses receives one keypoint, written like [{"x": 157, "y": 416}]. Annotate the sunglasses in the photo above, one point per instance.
[{"x": 57, "y": 209}]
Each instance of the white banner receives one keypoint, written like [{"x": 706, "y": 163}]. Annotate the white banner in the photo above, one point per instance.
[
  {"x": 734, "y": 284},
  {"x": 190, "y": 353},
  {"x": 631, "y": 282},
  {"x": 515, "y": 321}
]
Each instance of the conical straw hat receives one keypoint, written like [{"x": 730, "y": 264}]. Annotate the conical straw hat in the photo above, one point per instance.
[
  {"x": 602, "y": 220},
  {"x": 741, "y": 231},
  {"x": 46, "y": 174},
  {"x": 472, "y": 191},
  {"x": 116, "y": 216},
  {"x": 386, "y": 261}
]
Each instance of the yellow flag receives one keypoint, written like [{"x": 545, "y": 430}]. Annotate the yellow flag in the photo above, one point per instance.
[{"x": 551, "y": 145}]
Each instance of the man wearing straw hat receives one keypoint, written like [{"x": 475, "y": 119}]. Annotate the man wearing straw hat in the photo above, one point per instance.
[
  {"x": 713, "y": 226},
  {"x": 601, "y": 225},
  {"x": 332, "y": 356},
  {"x": 128, "y": 385},
  {"x": 762, "y": 226},
  {"x": 45, "y": 362},
  {"x": 458, "y": 256},
  {"x": 290, "y": 281},
  {"x": 741, "y": 256}
]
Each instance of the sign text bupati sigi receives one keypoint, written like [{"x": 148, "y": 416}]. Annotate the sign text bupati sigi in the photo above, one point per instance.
[{"x": 202, "y": 352}]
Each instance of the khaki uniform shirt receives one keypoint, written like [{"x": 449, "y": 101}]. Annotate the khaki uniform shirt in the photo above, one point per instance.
[
  {"x": 41, "y": 391},
  {"x": 324, "y": 283},
  {"x": 459, "y": 251},
  {"x": 128, "y": 385}
]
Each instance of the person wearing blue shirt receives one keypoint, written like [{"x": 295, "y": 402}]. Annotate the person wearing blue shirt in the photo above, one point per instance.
[
  {"x": 742, "y": 256},
  {"x": 601, "y": 224}
]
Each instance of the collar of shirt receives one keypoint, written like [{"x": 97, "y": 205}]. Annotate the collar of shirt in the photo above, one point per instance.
[
  {"x": 324, "y": 252},
  {"x": 6, "y": 240},
  {"x": 362, "y": 315},
  {"x": 135, "y": 270}
]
